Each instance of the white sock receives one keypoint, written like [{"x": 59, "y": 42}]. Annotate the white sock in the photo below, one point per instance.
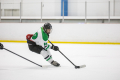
[{"x": 47, "y": 56}]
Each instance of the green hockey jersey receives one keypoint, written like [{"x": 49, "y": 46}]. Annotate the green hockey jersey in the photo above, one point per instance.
[{"x": 41, "y": 38}]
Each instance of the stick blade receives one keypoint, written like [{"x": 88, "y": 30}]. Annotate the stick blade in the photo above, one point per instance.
[{"x": 82, "y": 66}]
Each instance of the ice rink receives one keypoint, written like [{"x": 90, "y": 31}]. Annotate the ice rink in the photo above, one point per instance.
[{"x": 102, "y": 63}]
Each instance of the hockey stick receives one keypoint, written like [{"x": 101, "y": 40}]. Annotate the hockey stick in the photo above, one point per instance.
[
  {"x": 1, "y": 47},
  {"x": 69, "y": 59}
]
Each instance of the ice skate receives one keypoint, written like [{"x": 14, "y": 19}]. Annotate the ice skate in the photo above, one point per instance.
[{"x": 54, "y": 63}]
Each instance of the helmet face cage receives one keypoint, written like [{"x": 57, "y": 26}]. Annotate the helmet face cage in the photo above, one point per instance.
[{"x": 47, "y": 26}]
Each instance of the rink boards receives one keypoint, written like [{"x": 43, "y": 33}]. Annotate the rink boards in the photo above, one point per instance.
[{"x": 63, "y": 33}]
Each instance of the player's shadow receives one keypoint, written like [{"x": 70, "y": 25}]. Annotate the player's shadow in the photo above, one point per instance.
[{"x": 44, "y": 67}]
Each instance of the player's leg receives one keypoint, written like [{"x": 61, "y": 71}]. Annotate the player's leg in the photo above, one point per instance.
[
  {"x": 46, "y": 54},
  {"x": 48, "y": 57}
]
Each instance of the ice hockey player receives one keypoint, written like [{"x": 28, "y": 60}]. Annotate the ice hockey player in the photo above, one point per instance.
[{"x": 38, "y": 43}]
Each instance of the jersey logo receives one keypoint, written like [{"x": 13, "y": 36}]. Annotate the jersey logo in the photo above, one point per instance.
[
  {"x": 35, "y": 35},
  {"x": 46, "y": 46}
]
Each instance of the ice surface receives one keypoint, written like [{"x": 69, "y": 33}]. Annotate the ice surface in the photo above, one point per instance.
[{"x": 102, "y": 63}]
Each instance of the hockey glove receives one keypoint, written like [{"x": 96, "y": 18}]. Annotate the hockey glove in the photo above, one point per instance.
[
  {"x": 55, "y": 48},
  {"x": 1, "y": 46}
]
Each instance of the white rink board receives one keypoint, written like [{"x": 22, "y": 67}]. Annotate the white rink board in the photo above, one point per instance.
[{"x": 63, "y": 32}]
